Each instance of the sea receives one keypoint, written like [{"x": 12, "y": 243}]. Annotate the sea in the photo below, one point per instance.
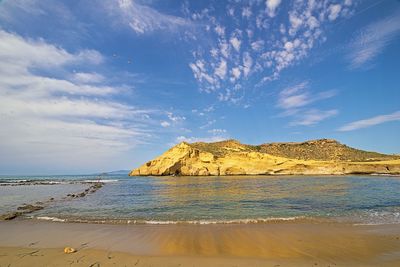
[{"x": 365, "y": 200}]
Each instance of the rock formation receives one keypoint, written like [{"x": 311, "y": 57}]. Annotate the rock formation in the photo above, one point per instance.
[{"x": 230, "y": 157}]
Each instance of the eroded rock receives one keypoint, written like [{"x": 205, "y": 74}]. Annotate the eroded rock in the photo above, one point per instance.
[{"x": 318, "y": 157}]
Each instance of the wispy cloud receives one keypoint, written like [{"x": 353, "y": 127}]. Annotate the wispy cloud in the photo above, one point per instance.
[
  {"x": 208, "y": 124},
  {"x": 172, "y": 120},
  {"x": 208, "y": 139},
  {"x": 372, "y": 40},
  {"x": 299, "y": 96},
  {"x": 313, "y": 116},
  {"x": 395, "y": 116},
  {"x": 144, "y": 19},
  {"x": 217, "y": 131},
  {"x": 295, "y": 101},
  {"x": 165, "y": 124},
  {"x": 56, "y": 116},
  {"x": 85, "y": 77},
  {"x": 30, "y": 16}
]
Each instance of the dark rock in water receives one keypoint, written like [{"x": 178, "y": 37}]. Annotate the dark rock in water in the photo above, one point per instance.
[
  {"x": 21, "y": 210},
  {"x": 29, "y": 208},
  {"x": 91, "y": 189},
  {"x": 9, "y": 216}
]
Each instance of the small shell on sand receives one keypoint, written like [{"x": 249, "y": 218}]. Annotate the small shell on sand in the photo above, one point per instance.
[{"x": 68, "y": 250}]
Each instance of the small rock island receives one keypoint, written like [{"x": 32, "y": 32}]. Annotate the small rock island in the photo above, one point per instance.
[{"x": 230, "y": 157}]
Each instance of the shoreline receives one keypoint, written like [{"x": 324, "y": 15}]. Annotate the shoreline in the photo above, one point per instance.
[
  {"x": 311, "y": 175},
  {"x": 275, "y": 243}
]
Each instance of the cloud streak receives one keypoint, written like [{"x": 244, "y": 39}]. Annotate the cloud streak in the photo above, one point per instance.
[
  {"x": 372, "y": 40},
  {"x": 313, "y": 116},
  {"x": 295, "y": 101},
  {"x": 143, "y": 19},
  {"x": 361, "y": 124}
]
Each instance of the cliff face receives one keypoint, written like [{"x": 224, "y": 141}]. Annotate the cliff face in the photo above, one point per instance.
[{"x": 233, "y": 158}]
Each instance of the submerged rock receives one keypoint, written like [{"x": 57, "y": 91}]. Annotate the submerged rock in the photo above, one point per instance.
[
  {"x": 90, "y": 190},
  {"x": 21, "y": 210},
  {"x": 28, "y": 208},
  {"x": 9, "y": 216}
]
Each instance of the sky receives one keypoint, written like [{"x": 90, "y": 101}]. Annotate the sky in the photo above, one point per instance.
[{"x": 92, "y": 86}]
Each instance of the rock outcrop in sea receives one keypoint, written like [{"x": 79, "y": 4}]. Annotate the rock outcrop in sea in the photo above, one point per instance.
[{"x": 230, "y": 157}]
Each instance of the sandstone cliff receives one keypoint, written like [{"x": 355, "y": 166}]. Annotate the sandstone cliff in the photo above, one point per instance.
[{"x": 230, "y": 157}]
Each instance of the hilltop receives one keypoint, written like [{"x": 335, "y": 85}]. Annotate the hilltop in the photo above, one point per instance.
[
  {"x": 230, "y": 157},
  {"x": 322, "y": 149}
]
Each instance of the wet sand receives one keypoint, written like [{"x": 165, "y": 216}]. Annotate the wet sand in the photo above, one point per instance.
[{"x": 37, "y": 243}]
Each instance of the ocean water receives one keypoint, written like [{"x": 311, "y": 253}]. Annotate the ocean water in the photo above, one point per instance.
[{"x": 231, "y": 199}]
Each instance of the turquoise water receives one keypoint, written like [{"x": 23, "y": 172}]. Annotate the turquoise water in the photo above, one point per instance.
[{"x": 357, "y": 199}]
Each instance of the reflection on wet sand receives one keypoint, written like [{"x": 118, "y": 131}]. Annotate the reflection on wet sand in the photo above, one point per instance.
[{"x": 293, "y": 241}]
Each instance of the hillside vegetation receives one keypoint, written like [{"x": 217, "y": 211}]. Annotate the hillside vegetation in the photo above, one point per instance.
[{"x": 322, "y": 149}]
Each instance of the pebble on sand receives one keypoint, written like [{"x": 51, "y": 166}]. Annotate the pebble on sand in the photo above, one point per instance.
[{"x": 69, "y": 250}]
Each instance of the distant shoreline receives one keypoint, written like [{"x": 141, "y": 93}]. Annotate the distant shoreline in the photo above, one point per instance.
[{"x": 279, "y": 175}]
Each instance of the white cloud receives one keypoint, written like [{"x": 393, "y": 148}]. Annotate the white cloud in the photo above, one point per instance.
[
  {"x": 246, "y": 12},
  {"x": 372, "y": 40},
  {"x": 313, "y": 22},
  {"x": 272, "y": 5},
  {"x": 235, "y": 73},
  {"x": 224, "y": 48},
  {"x": 334, "y": 11},
  {"x": 395, "y": 116},
  {"x": 247, "y": 64},
  {"x": 209, "y": 109},
  {"x": 50, "y": 121},
  {"x": 201, "y": 74},
  {"x": 298, "y": 96},
  {"x": 220, "y": 30},
  {"x": 217, "y": 131},
  {"x": 165, "y": 124},
  {"x": 222, "y": 69},
  {"x": 210, "y": 139},
  {"x": 258, "y": 48},
  {"x": 144, "y": 19},
  {"x": 37, "y": 53},
  {"x": 257, "y": 45},
  {"x": 313, "y": 116},
  {"x": 295, "y": 22},
  {"x": 288, "y": 46},
  {"x": 295, "y": 102},
  {"x": 235, "y": 42},
  {"x": 175, "y": 118},
  {"x": 84, "y": 77},
  {"x": 208, "y": 124}
]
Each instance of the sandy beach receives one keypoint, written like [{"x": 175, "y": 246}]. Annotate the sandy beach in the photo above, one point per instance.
[{"x": 300, "y": 243}]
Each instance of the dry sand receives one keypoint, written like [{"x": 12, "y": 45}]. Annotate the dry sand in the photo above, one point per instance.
[{"x": 34, "y": 243}]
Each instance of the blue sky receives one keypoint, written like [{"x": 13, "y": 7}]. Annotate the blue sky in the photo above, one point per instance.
[{"x": 89, "y": 86}]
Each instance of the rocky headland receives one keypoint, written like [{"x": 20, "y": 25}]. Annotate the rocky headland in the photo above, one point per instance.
[{"x": 230, "y": 157}]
